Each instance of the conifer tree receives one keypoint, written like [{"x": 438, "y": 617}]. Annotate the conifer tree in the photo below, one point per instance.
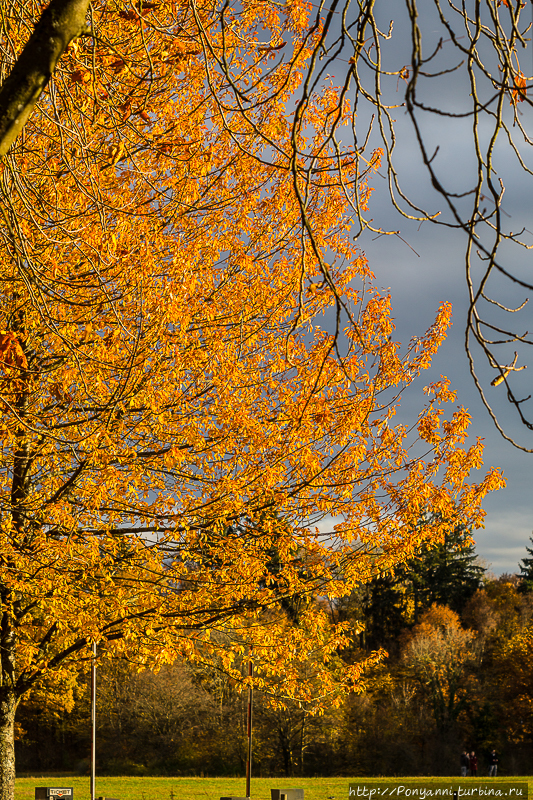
[
  {"x": 447, "y": 573},
  {"x": 526, "y": 570},
  {"x": 384, "y": 608}
]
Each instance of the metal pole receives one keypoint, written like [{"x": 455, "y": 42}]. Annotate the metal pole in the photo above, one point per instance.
[
  {"x": 93, "y": 722},
  {"x": 249, "y": 728}
]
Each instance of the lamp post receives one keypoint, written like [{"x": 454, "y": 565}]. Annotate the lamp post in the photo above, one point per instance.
[
  {"x": 93, "y": 721},
  {"x": 249, "y": 727}
]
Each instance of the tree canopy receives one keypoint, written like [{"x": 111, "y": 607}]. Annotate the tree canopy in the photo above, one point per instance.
[{"x": 191, "y": 344}]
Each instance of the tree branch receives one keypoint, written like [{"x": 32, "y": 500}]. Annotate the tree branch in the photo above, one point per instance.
[{"x": 61, "y": 22}]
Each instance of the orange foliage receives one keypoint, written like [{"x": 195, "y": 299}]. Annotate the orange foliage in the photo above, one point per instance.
[
  {"x": 512, "y": 663},
  {"x": 519, "y": 93},
  {"x": 437, "y": 651},
  {"x": 192, "y": 343},
  {"x": 436, "y": 618}
]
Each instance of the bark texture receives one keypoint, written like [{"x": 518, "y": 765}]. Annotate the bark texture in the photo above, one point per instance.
[
  {"x": 8, "y": 705},
  {"x": 61, "y": 22}
]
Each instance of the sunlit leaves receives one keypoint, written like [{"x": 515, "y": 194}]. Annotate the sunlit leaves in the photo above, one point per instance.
[{"x": 198, "y": 370}]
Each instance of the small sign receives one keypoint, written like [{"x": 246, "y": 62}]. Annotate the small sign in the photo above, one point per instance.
[{"x": 54, "y": 792}]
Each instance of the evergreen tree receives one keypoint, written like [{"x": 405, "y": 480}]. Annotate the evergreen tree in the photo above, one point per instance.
[
  {"x": 384, "y": 610},
  {"x": 447, "y": 574},
  {"x": 526, "y": 571}
]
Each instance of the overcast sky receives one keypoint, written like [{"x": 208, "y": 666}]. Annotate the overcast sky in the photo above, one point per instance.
[
  {"x": 420, "y": 282},
  {"x": 418, "y": 285}
]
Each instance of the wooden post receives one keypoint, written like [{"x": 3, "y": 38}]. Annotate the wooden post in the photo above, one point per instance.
[{"x": 249, "y": 728}]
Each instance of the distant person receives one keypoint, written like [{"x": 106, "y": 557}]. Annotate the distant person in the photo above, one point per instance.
[
  {"x": 493, "y": 764},
  {"x": 465, "y": 763},
  {"x": 473, "y": 765}
]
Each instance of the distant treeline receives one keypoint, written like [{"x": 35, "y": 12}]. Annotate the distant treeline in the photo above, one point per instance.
[{"x": 458, "y": 675}]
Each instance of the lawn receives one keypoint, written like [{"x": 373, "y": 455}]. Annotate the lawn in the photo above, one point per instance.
[{"x": 135, "y": 788}]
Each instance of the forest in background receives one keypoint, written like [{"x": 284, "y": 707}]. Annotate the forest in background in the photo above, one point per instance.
[{"x": 457, "y": 675}]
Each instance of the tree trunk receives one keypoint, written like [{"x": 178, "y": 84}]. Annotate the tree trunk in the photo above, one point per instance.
[
  {"x": 285, "y": 752},
  {"x": 302, "y": 739},
  {"x": 8, "y": 705},
  {"x": 9, "y": 691}
]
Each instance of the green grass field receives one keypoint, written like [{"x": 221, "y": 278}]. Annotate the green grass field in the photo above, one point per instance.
[{"x": 135, "y": 788}]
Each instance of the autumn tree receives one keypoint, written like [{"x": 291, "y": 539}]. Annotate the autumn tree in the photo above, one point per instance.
[
  {"x": 511, "y": 676},
  {"x": 498, "y": 610},
  {"x": 189, "y": 338},
  {"x": 158, "y": 721},
  {"x": 497, "y": 693},
  {"x": 437, "y": 651}
]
